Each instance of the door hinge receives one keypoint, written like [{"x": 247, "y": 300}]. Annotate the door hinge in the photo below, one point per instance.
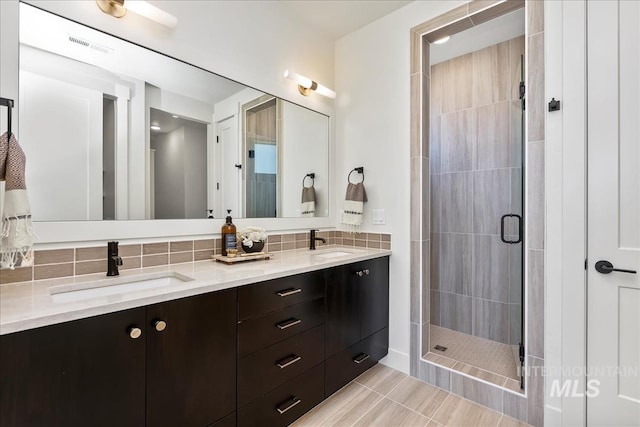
[
  {"x": 217, "y": 139},
  {"x": 586, "y": 264},
  {"x": 217, "y": 185},
  {"x": 522, "y": 90}
]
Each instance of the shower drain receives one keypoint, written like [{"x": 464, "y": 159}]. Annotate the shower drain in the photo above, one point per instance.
[{"x": 440, "y": 347}]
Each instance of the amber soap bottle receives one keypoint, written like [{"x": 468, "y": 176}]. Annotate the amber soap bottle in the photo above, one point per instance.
[{"x": 228, "y": 235}]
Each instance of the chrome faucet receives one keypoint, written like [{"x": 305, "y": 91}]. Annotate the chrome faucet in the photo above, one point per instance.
[
  {"x": 313, "y": 238},
  {"x": 113, "y": 260}
]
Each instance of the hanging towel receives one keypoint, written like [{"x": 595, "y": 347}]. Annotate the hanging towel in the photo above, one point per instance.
[
  {"x": 308, "y": 206},
  {"x": 16, "y": 238},
  {"x": 353, "y": 208}
]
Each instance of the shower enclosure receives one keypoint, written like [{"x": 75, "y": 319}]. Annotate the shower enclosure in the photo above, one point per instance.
[{"x": 476, "y": 181}]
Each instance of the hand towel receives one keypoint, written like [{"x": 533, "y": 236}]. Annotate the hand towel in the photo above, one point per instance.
[
  {"x": 353, "y": 208},
  {"x": 16, "y": 238},
  {"x": 308, "y": 206}
]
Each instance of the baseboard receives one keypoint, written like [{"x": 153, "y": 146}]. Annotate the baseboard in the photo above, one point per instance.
[{"x": 397, "y": 360}]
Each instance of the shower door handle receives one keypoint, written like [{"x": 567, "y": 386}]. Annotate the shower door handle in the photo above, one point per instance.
[{"x": 502, "y": 234}]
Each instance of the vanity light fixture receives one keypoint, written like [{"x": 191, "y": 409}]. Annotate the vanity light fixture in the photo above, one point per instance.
[
  {"x": 306, "y": 85},
  {"x": 119, "y": 8},
  {"x": 443, "y": 40}
]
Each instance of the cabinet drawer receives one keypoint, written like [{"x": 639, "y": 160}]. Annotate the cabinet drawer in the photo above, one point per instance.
[
  {"x": 262, "y": 371},
  {"x": 349, "y": 363},
  {"x": 286, "y": 403},
  {"x": 260, "y": 332},
  {"x": 264, "y": 297}
]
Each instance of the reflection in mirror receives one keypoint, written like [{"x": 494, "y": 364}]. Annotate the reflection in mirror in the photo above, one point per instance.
[{"x": 114, "y": 131}]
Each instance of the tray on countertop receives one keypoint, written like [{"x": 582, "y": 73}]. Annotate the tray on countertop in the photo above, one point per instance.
[{"x": 241, "y": 257}]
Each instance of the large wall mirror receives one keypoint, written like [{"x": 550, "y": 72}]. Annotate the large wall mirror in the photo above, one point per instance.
[{"x": 115, "y": 131}]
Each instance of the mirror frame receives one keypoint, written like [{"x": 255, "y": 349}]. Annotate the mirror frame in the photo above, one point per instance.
[{"x": 55, "y": 234}]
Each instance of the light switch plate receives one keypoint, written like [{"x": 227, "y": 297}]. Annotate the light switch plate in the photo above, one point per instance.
[{"x": 378, "y": 217}]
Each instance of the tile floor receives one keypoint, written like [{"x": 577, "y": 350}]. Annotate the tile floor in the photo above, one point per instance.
[
  {"x": 388, "y": 398},
  {"x": 489, "y": 360}
]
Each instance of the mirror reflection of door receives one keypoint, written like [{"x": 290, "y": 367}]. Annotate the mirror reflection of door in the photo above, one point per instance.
[
  {"x": 180, "y": 166},
  {"x": 228, "y": 181},
  {"x": 261, "y": 158}
]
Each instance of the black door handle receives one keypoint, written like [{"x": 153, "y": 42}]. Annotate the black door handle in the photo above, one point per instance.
[
  {"x": 605, "y": 267},
  {"x": 239, "y": 166},
  {"x": 502, "y": 235}
]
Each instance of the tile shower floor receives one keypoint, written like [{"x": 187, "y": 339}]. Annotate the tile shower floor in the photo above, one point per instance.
[
  {"x": 388, "y": 398},
  {"x": 485, "y": 359}
]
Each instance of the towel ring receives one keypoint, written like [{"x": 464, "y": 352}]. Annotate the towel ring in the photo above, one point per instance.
[
  {"x": 359, "y": 170},
  {"x": 313, "y": 179}
]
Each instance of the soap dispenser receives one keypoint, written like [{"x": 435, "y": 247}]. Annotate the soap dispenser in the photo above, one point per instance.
[{"x": 228, "y": 235}]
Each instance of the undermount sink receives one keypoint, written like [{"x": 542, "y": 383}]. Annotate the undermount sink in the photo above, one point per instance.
[
  {"x": 115, "y": 286},
  {"x": 337, "y": 253}
]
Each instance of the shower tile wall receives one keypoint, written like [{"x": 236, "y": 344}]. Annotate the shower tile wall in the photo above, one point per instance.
[{"x": 475, "y": 154}]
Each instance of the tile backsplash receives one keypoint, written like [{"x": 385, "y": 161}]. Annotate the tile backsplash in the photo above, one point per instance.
[{"x": 53, "y": 263}]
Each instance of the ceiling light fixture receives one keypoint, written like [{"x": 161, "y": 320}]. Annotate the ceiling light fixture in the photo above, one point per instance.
[
  {"x": 119, "y": 8},
  {"x": 442, "y": 40},
  {"x": 155, "y": 127},
  {"x": 306, "y": 85}
]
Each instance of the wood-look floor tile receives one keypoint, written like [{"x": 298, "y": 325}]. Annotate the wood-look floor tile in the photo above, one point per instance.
[
  {"x": 391, "y": 414},
  {"x": 418, "y": 396},
  {"x": 381, "y": 378},
  {"x": 479, "y": 373},
  {"x": 506, "y": 421},
  {"x": 342, "y": 409},
  {"x": 456, "y": 411},
  {"x": 433, "y": 424}
]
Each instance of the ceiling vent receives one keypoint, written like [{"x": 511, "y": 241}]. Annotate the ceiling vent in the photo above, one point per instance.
[{"x": 90, "y": 45}]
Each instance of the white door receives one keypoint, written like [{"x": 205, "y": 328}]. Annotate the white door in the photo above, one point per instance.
[
  {"x": 613, "y": 311},
  {"x": 229, "y": 175},
  {"x": 63, "y": 121}
]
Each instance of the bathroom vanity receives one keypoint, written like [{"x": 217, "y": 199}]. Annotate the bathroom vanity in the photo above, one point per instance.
[{"x": 258, "y": 345}]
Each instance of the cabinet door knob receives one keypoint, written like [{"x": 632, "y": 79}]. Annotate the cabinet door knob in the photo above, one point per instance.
[
  {"x": 134, "y": 332},
  {"x": 360, "y": 273},
  {"x": 160, "y": 325},
  {"x": 366, "y": 272}
]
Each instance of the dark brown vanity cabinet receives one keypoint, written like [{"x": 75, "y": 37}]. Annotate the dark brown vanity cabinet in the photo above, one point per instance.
[
  {"x": 280, "y": 349},
  {"x": 357, "y": 319},
  {"x": 257, "y": 355},
  {"x": 88, "y": 372},
  {"x": 191, "y": 360},
  {"x": 167, "y": 364}
]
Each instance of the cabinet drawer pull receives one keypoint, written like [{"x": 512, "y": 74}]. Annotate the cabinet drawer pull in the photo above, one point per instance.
[
  {"x": 290, "y": 291},
  {"x": 360, "y": 358},
  {"x": 288, "y": 361},
  {"x": 134, "y": 332},
  {"x": 284, "y": 407},
  {"x": 288, "y": 323}
]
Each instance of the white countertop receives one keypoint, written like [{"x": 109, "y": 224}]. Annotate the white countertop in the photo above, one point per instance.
[{"x": 28, "y": 305}]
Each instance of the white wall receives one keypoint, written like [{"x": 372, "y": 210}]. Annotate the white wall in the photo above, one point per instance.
[
  {"x": 304, "y": 149},
  {"x": 169, "y": 173},
  {"x": 372, "y": 130},
  {"x": 195, "y": 172}
]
